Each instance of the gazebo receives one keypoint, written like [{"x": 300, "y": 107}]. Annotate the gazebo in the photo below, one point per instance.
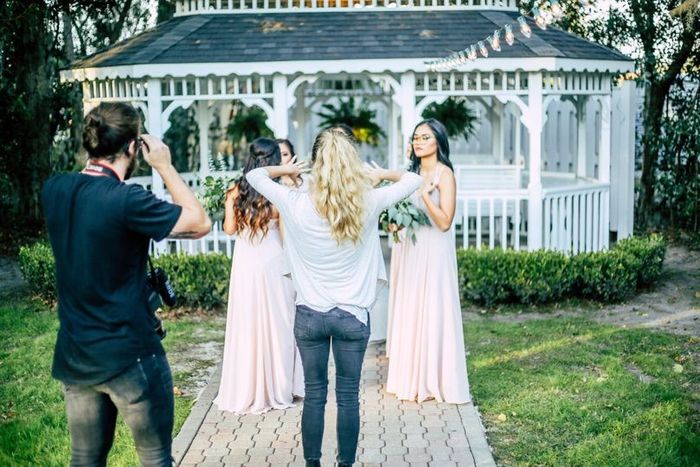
[{"x": 545, "y": 170}]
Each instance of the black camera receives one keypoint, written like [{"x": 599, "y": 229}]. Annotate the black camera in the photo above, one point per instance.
[{"x": 159, "y": 291}]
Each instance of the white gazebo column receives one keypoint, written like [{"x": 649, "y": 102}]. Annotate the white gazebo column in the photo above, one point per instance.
[
  {"x": 300, "y": 117},
  {"x": 622, "y": 164},
  {"x": 604, "y": 169},
  {"x": 408, "y": 105},
  {"x": 280, "y": 119},
  {"x": 155, "y": 128},
  {"x": 203, "y": 120},
  {"x": 497, "y": 130},
  {"x": 581, "y": 149},
  {"x": 534, "y": 120}
]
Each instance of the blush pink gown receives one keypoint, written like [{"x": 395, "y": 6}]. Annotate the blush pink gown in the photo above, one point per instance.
[
  {"x": 261, "y": 368},
  {"x": 425, "y": 341}
]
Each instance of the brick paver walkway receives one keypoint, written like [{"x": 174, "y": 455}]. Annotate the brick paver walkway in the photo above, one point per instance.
[{"x": 392, "y": 433}]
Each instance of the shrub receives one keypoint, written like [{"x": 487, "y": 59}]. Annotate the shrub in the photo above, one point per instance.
[
  {"x": 607, "y": 276},
  {"x": 485, "y": 275},
  {"x": 38, "y": 267},
  {"x": 650, "y": 252},
  {"x": 542, "y": 276},
  {"x": 490, "y": 277},
  {"x": 200, "y": 281}
]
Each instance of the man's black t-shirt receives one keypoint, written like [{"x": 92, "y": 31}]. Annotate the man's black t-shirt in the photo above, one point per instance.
[{"x": 100, "y": 229}]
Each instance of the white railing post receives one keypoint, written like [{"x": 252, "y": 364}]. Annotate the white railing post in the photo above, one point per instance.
[
  {"x": 533, "y": 120},
  {"x": 604, "y": 168},
  {"x": 623, "y": 115},
  {"x": 581, "y": 149}
]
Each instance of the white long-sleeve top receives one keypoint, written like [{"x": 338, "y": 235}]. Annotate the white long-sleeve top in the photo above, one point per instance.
[{"x": 327, "y": 274}]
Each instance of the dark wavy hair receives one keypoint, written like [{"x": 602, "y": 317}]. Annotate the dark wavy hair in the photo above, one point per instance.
[
  {"x": 251, "y": 210},
  {"x": 443, "y": 144},
  {"x": 288, "y": 143}
]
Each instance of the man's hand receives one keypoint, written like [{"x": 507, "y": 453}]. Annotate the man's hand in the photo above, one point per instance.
[{"x": 155, "y": 152}]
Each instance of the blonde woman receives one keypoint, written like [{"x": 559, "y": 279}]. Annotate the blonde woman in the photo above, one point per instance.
[{"x": 332, "y": 245}]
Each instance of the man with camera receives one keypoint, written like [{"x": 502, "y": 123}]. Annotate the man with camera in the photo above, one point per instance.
[{"x": 108, "y": 353}]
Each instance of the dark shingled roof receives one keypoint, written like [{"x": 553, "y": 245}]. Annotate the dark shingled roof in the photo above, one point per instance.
[{"x": 336, "y": 35}]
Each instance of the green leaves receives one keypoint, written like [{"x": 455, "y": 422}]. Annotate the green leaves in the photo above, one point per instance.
[
  {"x": 402, "y": 216},
  {"x": 200, "y": 281},
  {"x": 459, "y": 120},
  {"x": 213, "y": 193},
  {"x": 37, "y": 265},
  {"x": 491, "y": 277},
  {"x": 359, "y": 118}
]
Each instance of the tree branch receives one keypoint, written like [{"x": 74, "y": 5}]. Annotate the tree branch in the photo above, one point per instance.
[{"x": 117, "y": 30}]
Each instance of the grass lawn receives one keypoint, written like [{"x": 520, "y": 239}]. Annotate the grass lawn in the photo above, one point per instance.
[
  {"x": 568, "y": 391},
  {"x": 33, "y": 428}
]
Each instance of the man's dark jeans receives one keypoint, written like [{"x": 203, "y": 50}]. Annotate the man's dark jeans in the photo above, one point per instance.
[
  {"x": 143, "y": 395},
  {"x": 315, "y": 333}
]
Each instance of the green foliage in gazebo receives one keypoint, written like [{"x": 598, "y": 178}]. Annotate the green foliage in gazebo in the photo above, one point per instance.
[
  {"x": 358, "y": 117},
  {"x": 247, "y": 124},
  {"x": 458, "y": 118}
]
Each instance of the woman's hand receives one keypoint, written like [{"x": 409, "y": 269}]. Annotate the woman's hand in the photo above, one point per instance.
[
  {"x": 394, "y": 228},
  {"x": 427, "y": 188},
  {"x": 292, "y": 169},
  {"x": 376, "y": 173}
]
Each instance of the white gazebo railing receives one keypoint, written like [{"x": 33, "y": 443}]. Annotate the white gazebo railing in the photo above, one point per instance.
[
  {"x": 217, "y": 241},
  {"x": 576, "y": 219},
  {"x": 495, "y": 217},
  {"x": 189, "y": 7},
  {"x": 491, "y": 212}
]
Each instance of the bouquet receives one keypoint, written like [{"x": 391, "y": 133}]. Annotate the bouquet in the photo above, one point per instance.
[
  {"x": 402, "y": 215},
  {"x": 214, "y": 188}
]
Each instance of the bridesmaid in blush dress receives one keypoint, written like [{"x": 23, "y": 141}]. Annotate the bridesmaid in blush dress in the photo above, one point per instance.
[
  {"x": 259, "y": 371},
  {"x": 425, "y": 342}
]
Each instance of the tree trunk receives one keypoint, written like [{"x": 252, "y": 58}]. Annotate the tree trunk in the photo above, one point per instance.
[
  {"x": 31, "y": 129},
  {"x": 75, "y": 97},
  {"x": 654, "y": 100}
]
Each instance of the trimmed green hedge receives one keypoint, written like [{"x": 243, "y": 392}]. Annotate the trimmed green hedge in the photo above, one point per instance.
[
  {"x": 650, "y": 251},
  {"x": 490, "y": 277},
  {"x": 487, "y": 277},
  {"x": 200, "y": 281}
]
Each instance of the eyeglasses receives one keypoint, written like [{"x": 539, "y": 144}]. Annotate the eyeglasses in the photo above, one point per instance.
[{"x": 421, "y": 139}]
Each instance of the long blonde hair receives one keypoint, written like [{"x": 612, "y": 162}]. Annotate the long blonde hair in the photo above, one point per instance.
[{"x": 340, "y": 184}]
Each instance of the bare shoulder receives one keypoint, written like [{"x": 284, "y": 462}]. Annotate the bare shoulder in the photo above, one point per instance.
[{"x": 447, "y": 175}]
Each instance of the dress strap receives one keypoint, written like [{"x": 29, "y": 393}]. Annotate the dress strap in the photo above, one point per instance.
[{"x": 436, "y": 177}]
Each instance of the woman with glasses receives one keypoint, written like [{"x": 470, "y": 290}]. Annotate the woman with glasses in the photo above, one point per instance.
[{"x": 425, "y": 342}]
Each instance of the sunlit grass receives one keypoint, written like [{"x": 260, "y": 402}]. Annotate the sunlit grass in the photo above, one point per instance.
[
  {"x": 33, "y": 428},
  {"x": 568, "y": 392}
]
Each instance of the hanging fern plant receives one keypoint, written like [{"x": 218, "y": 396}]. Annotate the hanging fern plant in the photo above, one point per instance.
[
  {"x": 247, "y": 124},
  {"x": 458, "y": 118},
  {"x": 359, "y": 118}
]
